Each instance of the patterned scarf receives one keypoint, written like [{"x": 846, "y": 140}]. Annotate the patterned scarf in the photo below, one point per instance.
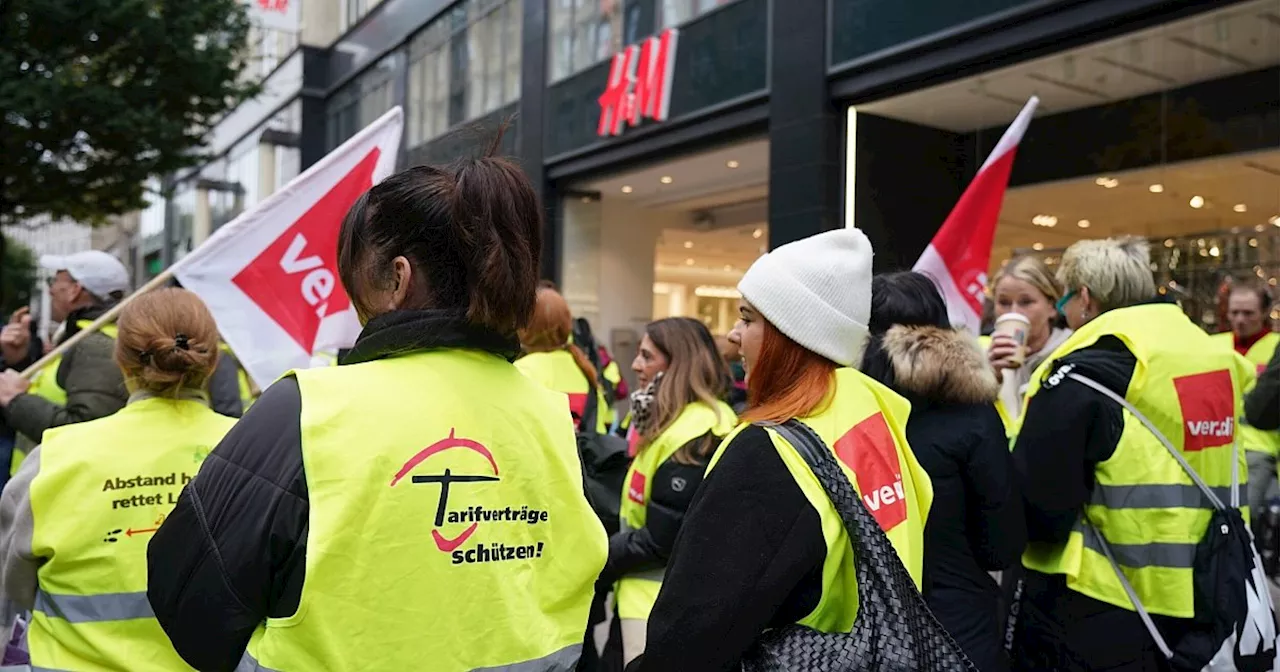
[{"x": 642, "y": 402}]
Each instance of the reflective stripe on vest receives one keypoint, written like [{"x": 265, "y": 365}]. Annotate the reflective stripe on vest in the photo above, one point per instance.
[
  {"x": 1163, "y": 496},
  {"x": 1143, "y": 503},
  {"x": 471, "y": 505},
  {"x": 1260, "y": 353},
  {"x": 564, "y": 660},
  {"x": 94, "y": 608},
  {"x": 126, "y": 470},
  {"x": 636, "y": 593},
  {"x": 558, "y": 370},
  {"x": 865, "y": 426}
]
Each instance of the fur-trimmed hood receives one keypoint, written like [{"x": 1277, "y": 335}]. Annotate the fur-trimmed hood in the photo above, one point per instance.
[{"x": 943, "y": 365}]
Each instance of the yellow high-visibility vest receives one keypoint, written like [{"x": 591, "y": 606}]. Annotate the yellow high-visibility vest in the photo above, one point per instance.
[
  {"x": 44, "y": 384},
  {"x": 637, "y": 593},
  {"x": 103, "y": 488},
  {"x": 558, "y": 371},
  {"x": 1143, "y": 503},
  {"x": 612, "y": 374},
  {"x": 457, "y": 538},
  {"x": 865, "y": 426},
  {"x": 1259, "y": 355}
]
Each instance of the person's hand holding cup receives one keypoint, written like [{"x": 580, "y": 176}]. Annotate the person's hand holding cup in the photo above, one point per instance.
[{"x": 1008, "y": 349}]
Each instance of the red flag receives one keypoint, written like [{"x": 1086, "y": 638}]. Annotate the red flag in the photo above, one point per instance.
[
  {"x": 958, "y": 257},
  {"x": 270, "y": 277}
]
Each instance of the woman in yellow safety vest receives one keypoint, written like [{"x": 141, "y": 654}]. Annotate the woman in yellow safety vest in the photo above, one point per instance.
[
  {"x": 77, "y": 517},
  {"x": 558, "y": 364},
  {"x": 1093, "y": 473},
  {"x": 680, "y": 419},
  {"x": 420, "y": 506},
  {"x": 1025, "y": 286},
  {"x": 763, "y": 546}
]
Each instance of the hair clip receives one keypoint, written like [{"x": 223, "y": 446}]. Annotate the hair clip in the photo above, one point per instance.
[
  {"x": 145, "y": 357},
  {"x": 181, "y": 341}
]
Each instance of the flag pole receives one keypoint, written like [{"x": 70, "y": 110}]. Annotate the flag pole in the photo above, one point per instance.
[{"x": 97, "y": 324}]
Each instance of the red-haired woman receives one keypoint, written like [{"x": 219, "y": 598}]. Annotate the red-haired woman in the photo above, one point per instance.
[
  {"x": 552, "y": 359},
  {"x": 762, "y": 546}
]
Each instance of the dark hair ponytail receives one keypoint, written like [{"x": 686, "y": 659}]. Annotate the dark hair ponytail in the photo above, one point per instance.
[{"x": 471, "y": 231}]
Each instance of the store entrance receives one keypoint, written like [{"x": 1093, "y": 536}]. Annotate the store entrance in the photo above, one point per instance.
[{"x": 667, "y": 240}]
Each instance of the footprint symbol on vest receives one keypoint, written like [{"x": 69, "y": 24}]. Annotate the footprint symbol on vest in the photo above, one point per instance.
[{"x": 112, "y": 536}]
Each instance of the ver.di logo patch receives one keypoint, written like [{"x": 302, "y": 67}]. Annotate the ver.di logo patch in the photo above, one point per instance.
[
  {"x": 869, "y": 450},
  {"x": 1208, "y": 408},
  {"x": 446, "y": 480}
]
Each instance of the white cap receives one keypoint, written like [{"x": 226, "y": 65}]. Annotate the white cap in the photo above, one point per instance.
[
  {"x": 816, "y": 291},
  {"x": 95, "y": 270}
]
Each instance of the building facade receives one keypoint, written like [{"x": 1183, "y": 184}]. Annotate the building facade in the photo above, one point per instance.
[{"x": 674, "y": 141}]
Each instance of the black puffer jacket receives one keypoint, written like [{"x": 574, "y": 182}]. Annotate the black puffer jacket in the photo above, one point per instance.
[{"x": 975, "y": 524}]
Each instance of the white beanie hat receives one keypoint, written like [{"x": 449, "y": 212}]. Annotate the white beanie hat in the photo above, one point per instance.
[{"x": 816, "y": 291}]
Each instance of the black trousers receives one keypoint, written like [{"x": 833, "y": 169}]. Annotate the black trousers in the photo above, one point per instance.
[{"x": 1060, "y": 629}]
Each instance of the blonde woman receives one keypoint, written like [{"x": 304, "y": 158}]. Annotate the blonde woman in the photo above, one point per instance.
[
  {"x": 1025, "y": 286},
  {"x": 679, "y": 417},
  {"x": 1093, "y": 473}
]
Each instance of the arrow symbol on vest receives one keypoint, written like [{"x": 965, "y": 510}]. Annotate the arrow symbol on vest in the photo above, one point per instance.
[{"x": 132, "y": 531}]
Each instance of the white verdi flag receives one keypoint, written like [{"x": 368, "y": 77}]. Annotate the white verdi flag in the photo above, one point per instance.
[
  {"x": 270, "y": 276},
  {"x": 958, "y": 257}
]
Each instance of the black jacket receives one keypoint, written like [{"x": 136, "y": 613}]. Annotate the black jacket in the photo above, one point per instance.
[
  {"x": 632, "y": 550},
  {"x": 232, "y": 553},
  {"x": 748, "y": 557},
  {"x": 1262, "y": 406},
  {"x": 975, "y": 523}
]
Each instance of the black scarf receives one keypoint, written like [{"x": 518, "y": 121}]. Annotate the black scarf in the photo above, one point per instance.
[{"x": 403, "y": 331}]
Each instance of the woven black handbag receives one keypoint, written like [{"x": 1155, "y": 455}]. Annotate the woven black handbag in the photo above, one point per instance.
[{"x": 894, "y": 629}]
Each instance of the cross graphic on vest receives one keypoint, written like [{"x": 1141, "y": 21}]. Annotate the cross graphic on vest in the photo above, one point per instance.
[{"x": 445, "y": 480}]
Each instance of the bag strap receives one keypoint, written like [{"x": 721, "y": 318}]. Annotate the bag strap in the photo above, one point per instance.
[{"x": 1090, "y": 528}]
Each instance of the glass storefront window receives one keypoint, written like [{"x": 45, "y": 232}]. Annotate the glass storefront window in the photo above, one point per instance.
[
  {"x": 1169, "y": 134},
  {"x": 677, "y": 12},
  {"x": 361, "y": 101},
  {"x": 583, "y": 33},
  {"x": 463, "y": 66}
]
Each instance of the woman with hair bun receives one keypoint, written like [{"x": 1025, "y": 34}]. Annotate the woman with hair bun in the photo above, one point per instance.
[{"x": 76, "y": 519}]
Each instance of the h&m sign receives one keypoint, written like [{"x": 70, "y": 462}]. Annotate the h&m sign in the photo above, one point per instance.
[{"x": 639, "y": 84}]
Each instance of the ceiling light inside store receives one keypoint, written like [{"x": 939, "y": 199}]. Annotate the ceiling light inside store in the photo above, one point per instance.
[
  {"x": 1196, "y": 202},
  {"x": 1260, "y": 228},
  {"x": 732, "y": 164},
  {"x": 1213, "y": 251},
  {"x": 1156, "y": 188},
  {"x": 1253, "y": 242},
  {"x": 626, "y": 188},
  {"x": 1037, "y": 246},
  {"x": 688, "y": 244},
  {"x": 1107, "y": 182},
  {"x": 1275, "y": 220},
  {"x": 1045, "y": 220},
  {"x": 688, "y": 262},
  {"x": 757, "y": 234},
  {"x": 1084, "y": 223},
  {"x": 1240, "y": 207},
  {"x": 1168, "y": 242},
  {"x": 665, "y": 179}
]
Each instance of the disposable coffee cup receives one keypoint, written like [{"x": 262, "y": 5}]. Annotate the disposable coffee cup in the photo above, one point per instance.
[{"x": 1015, "y": 326}]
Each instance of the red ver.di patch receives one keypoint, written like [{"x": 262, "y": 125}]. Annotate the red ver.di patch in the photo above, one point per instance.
[
  {"x": 295, "y": 279},
  {"x": 1208, "y": 409},
  {"x": 869, "y": 451},
  {"x": 635, "y": 490}
]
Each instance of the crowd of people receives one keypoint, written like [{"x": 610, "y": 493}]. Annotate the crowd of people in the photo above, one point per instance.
[{"x": 424, "y": 505}]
